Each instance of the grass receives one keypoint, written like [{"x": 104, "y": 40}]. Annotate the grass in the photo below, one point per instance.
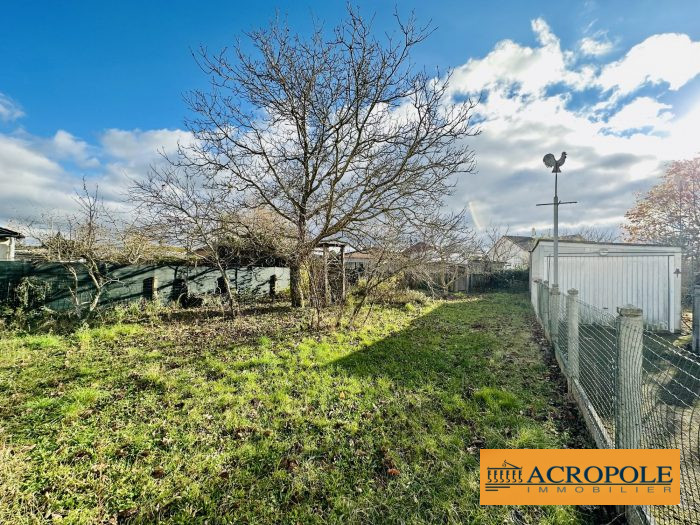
[{"x": 256, "y": 422}]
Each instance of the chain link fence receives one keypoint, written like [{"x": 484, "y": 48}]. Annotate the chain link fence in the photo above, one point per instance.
[{"x": 634, "y": 388}]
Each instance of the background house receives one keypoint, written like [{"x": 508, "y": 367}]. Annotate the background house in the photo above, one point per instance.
[
  {"x": 513, "y": 251},
  {"x": 8, "y": 240}
]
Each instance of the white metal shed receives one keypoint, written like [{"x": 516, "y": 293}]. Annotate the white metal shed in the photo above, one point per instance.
[{"x": 608, "y": 275}]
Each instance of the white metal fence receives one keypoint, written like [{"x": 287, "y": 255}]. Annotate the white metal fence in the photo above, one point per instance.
[{"x": 634, "y": 388}]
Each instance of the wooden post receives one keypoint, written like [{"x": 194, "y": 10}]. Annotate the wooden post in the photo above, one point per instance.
[
  {"x": 273, "y": 286},
  {"x": 326, "y": 286},
  {"x": 342, "y": 273},
  {"x": 572, "y": 329},
  {"x": 628, "y": 407}
]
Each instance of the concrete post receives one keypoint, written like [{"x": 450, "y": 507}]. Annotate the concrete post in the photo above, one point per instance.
[
  {"x": 696, "y": 317},
  {"x": 572, "y": 335},
  {"x": 554, "y": 315},
  {"x": 628, "y": 390},
  {"x": 545, "y": 308}
]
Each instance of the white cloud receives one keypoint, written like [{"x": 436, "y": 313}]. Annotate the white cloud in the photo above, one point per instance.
[
  {"x": 669, "y": 57},
  {"x": 9, "y": 109},
  {"x": 63, "y": 145},
  {"x": 544, "y": 33},
  {"x": 31, "y": 183},
  {"x": 37, "y": 180},
  {"x": 530, "y": 70},
  {"x": 642, "y": 112},
  {"x": 609, "y": 160},
  {"x": 590, "y": 46},
  {"x": 136, "y": 147}
]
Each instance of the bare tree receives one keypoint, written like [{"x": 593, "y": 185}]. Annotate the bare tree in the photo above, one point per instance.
[
  {"x": 431, "y": 252},
  {"x": 181, "y": 208},
  {"x": 448, "y": 249},
  {"x": 329, "y": 132},
  {"x": 590, "y": 233}
]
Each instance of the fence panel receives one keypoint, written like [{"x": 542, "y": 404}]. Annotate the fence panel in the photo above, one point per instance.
[{"x": 635, "y": 389}]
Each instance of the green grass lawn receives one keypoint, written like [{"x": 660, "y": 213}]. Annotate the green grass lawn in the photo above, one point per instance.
[{"x": 254, "y": 421}]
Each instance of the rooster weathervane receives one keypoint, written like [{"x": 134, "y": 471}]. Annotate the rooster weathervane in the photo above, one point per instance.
[{"x": 552, "y": 162}]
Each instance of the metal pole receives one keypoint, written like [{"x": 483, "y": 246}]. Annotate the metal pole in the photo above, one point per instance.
[{"x": 555, "y": 277}]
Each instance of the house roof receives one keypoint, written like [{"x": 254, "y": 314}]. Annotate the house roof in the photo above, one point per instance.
[
  {"x": 521, "y": 241},
  {"x": 5, "y": 232},
  {"x": 360, "y": 254},
  {"x": 528, "y": 243}
]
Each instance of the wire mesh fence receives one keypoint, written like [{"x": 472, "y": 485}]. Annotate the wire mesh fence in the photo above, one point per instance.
[{"x": 635, "y": 388}]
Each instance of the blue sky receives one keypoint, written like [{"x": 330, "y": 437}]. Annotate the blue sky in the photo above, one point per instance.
[{"x": 96, "y": 88}]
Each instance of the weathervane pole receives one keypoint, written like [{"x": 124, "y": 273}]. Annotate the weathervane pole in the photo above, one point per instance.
[
  {"x": 551, "y": 162},
  {"x": 555, "y": 281}
]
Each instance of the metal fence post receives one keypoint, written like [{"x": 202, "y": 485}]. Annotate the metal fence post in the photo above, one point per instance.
[
  {"x": 628, "y": 388},
  {"x": 572, "y": 334},
  {"x": 696, "y": 317},
  {"x": 554, "y": 316},
  {"x": 545, "y": 308}
]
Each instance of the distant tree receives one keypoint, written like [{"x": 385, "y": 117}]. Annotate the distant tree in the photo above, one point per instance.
[
  {"x": 432, "y": 252},
  {"x": 592, "y": 233},
  {"x": 669, "y": 213},
  {"x": 92, "y": 242},
  {"x": 179, "y": 206},
  {"x": 330, "y": 132}
]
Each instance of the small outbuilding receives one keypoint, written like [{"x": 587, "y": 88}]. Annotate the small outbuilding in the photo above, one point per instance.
[
  {"x": 608, "y": 275},
  {"x": 8, "y": 239}
]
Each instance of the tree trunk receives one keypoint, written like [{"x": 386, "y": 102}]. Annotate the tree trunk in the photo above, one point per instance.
[{"x": 295, "y": 284}]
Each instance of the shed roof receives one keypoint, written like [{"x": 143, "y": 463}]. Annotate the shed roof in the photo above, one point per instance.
[
  {"x": 569, "y": 241},
  {"x": 5, "y": 232}
]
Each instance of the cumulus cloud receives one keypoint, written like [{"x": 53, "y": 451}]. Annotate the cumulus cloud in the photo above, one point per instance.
[
  {"x": 41, "y": 175},
  {"x": 612, "y": 154},
  {"x": 524, "y": 70},
  {"x": 31, "y": 182},
  {"x": 643, "y": 113},
  {"x": 137, "y": 147},
  {"x": 9, "y": 109},
  {"x": 672, "y": 58},
  {"x": 595, "y": 47},
  {"x": 63, "y": 145}
]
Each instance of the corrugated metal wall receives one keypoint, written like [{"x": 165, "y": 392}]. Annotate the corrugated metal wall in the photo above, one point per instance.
[
  {"x": 132, "y": 279},
  {"x": 624, "y": 275}
]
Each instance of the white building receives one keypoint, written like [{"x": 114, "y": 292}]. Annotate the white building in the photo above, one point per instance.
[
  {"x": 608, "y": 275},
  {"x": 512, "y": 250},
  {"x": 8, "y": 239}
]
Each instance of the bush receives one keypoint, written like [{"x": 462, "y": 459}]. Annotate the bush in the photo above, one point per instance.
[
  {"x": 25, "y": 305},
  {"x": 390, "y": 292}
]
